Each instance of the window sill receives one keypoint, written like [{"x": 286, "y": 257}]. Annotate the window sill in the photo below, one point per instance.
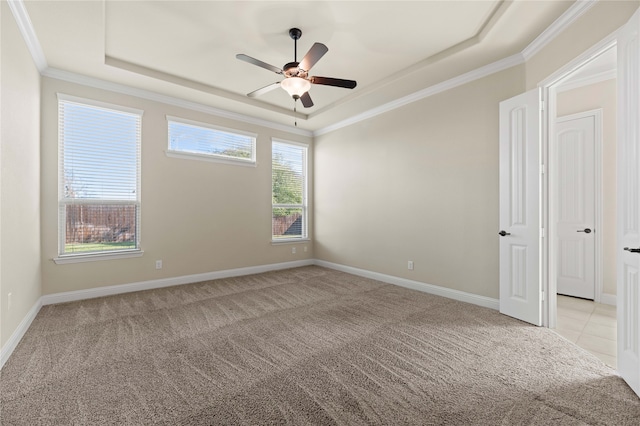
[
  {"x": 290, "y": 241},
  {"x": 94, "y": 257}
]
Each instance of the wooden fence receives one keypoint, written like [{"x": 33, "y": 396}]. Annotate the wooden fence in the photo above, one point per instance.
[{"x": 100, "y": 223}]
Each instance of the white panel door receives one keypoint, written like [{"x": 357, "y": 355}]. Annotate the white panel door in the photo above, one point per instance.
[
  {"x": 628, "y": 206},
  {"x": 520, "y": 287},
  {"x": 575, "y": 206}
]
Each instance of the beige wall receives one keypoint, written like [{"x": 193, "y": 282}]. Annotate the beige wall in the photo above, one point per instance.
[
  {"x": 418, "y": 183},
  {"x": 20, "y": 178},
  {"x": 421, "y": 183},
  {"x": 595, "y": 96},
  {"x": 197, "y": 216}
]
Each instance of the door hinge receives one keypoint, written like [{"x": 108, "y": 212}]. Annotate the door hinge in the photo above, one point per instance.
[
  {"x": 542, "y": 233},
  {"x": 543, "y": 105},
  {"x": 543, "y": 169},
  {"x": 543, "y": 298}
]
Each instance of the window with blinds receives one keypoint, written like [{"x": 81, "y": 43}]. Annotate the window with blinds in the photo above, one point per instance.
[
  {"x": 99, "y": 177},
  {"x": 192, "y": 139},
  {"x": 289, "y": 191}
]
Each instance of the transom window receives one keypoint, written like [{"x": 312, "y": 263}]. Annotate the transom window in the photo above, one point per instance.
[
  {"x": 289, "y": 191},
  {"x": 99, "y": 177},
  {"x": 192, "y": 139}
]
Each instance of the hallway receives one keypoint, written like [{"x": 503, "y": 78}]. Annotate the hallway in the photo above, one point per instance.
[{"x": 590, "y": 325}]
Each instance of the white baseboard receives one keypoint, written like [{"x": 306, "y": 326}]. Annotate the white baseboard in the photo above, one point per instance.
[
  {"x": 462, "y": 296},
  {"x": 608, "y": 299},
  {"x": 71, "y": 296},
  {"x": 22, "y": 328}
]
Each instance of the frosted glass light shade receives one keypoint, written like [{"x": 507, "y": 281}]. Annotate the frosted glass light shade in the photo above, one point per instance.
[{"x": 295, "y": 86}]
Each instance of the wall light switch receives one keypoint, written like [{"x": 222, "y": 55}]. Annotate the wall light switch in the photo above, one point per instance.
[{"x": 410, "y": 265}]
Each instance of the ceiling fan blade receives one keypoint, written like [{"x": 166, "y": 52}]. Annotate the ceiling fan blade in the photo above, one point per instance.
[
  {"x": 306, "y": 100},
  {"x": 337, "y": 82},
  {"x": 314, "y": 54},
  {"x": 259, "y": 63},
  {"x": 264, "y": 90}
]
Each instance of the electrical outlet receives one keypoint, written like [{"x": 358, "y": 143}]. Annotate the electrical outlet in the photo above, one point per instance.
[
  {"x": 9, "y": 302},
  {"x": 158, "y": 264},
  {"x": 293, "y": 250},
  {"x": 305, "y": 249},
  {"x": 410, "y": 265}
]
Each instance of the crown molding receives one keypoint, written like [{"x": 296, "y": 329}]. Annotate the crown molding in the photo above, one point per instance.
[
  {"x": 575, "y": 11},
  {"x": 97, "y": 83},
  {"x": 476, "y": 74},
  {"x": 28, "y": 33}
]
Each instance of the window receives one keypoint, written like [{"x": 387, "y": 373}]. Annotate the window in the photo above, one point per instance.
[
  {"x": 289, "y": 191},
  {"x": 99, "y": 177},
  {"x": 191, "y": 139}
]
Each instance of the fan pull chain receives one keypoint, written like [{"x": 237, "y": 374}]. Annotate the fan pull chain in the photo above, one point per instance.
[{"x": 295, "y": 116}]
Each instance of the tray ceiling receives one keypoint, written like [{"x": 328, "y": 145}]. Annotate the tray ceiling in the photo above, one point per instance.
[{"x": 187, "y": 49}]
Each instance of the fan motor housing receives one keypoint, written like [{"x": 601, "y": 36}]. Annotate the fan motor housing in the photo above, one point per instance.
[{"x": 291, "y": 70}]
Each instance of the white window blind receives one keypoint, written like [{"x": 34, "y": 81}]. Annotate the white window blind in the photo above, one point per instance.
[
  {"x": 289, "y": 191},
  {"x": 201, "y": 140},
  {"x": 99, "y": 177}
]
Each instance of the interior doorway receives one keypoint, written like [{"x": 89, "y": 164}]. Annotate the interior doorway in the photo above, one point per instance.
[
  {"x": 581, "y": 263},
  {"x": 582, "y": 205}
]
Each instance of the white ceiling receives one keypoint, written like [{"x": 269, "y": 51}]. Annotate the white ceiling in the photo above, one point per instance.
[{"x": 187, "y": 49}]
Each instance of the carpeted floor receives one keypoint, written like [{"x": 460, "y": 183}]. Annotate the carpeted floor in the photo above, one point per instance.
[{"x": 301, "y": 346}]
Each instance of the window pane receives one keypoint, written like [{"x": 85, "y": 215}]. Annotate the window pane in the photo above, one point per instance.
[
  {"x": 287, "y": 173},
  {"x": 99, "y": 227},
  {"x": 194, "y": 139},
  {"x": 99, "y": 152},
  {"x": 99, "y": 176},
  {"x": 287, "y": 223},
  {"x": 288, "y": 187}
]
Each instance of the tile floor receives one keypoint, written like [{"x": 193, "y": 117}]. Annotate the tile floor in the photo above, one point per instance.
[{"x": 590, "y": 325}]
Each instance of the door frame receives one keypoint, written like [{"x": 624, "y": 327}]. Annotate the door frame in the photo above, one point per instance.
[
  {"x": 598, "y": 200},
  {"x": 549, "y": 105}
]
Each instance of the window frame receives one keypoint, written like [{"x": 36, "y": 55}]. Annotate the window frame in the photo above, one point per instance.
[
  {"x": 75, "y": 257},
  {"x": 305, "y": 192},
  {"x": 215, "y": 158}
]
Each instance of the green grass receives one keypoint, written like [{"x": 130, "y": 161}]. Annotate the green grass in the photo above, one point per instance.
[{"x": 89, "y": 247}]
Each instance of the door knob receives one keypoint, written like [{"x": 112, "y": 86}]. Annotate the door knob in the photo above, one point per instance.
[
  {"x": 585, "y": 230},
  {"x": 632, "y": 250},
  {"x": 503, "y": 233}
]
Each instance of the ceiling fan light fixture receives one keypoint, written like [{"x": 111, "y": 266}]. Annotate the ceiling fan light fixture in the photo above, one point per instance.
[{"x": 296, "y": 86}]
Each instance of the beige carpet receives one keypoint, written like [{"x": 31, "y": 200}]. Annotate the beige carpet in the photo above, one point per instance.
[{"x": 302, "y": 346}]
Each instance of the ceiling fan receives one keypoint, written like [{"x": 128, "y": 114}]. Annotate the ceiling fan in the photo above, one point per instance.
[{"x": 297, "y": 81}]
